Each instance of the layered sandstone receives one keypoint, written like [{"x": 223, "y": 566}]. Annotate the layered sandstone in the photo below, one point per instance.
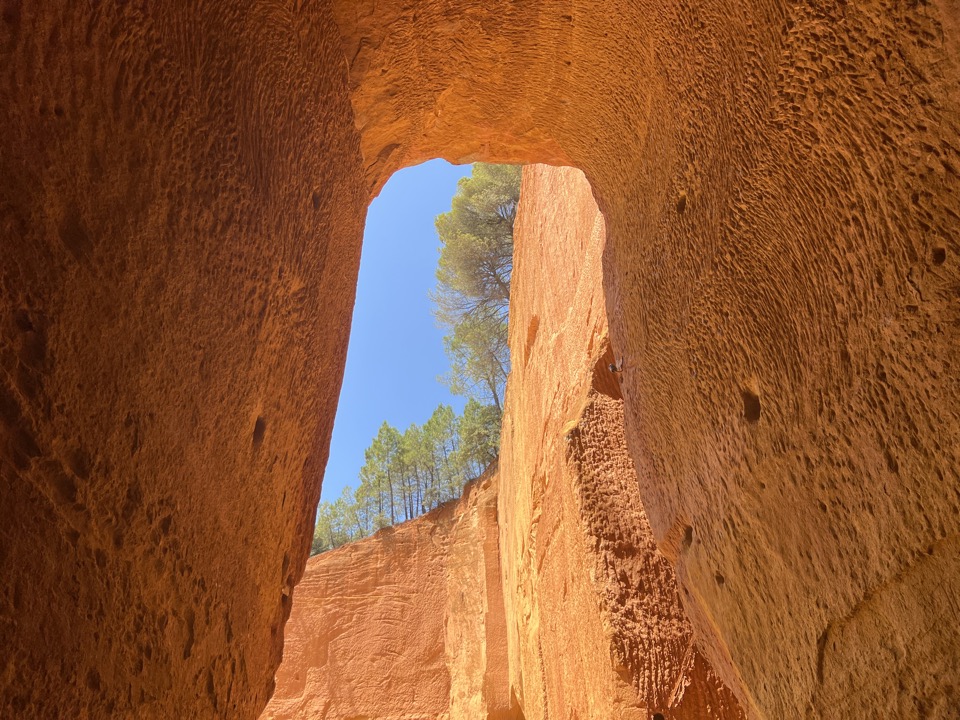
[
  {"x": 405, "y": 625},
  {"x": 182, "y": 190}
]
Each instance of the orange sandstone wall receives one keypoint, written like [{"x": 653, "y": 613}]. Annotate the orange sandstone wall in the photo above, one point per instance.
[
  {"x": 406, "y": 624},
  {"x": 179, "y": 240},
  {"x": 781, "y": 189},
  {"x": 595, "y": 623}
]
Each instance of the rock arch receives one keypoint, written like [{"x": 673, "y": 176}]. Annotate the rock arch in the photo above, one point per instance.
[{"x": 182, "y": 191}]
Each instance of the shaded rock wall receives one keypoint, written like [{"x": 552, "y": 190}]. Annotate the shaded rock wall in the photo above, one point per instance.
[
  {"x": 181, "y": 201},
  {"x": 179, "y": 239},
  {"x": 405, "y": 624}
]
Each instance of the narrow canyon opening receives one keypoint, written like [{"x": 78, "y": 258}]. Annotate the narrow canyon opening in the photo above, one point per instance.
[
  {"x": 421, "y": 618},
  {"x": 383, "y": 585},
  {"x": 415, "y": 420}
]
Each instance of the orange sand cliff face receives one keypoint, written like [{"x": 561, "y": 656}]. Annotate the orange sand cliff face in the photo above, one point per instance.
[
  {"x": 595, "y": 624},
  {"x": 405, "y": 624},
  {"x": 182, "y": 195}
]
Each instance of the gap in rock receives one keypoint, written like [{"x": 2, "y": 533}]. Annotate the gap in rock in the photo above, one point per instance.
[{"x": 403, "y": 440}]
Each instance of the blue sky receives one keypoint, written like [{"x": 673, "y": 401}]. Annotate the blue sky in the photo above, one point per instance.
[{"x": 396, "y": 349}]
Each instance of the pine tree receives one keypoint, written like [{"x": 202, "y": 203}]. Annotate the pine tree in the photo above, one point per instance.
[
  {"x": 473, "y": 280},
  {"x": 406, "y": 474}
]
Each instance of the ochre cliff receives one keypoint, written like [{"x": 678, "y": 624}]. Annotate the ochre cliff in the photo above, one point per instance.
[
  {"x": 406, "y": 624},
  {"x": 182, "y": 193},
  {"x": 595, "y": 624},
  {"x": 179, "y": 238}
]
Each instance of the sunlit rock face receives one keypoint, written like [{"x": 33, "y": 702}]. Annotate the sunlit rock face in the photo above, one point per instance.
[
  {"x": 182, "y": 193},
  {"x": 406, "y": 624},
  {"x": 595, "y": 620}
]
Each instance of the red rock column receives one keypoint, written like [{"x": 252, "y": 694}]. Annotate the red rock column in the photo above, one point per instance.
[{"x": 596, "y": 625}]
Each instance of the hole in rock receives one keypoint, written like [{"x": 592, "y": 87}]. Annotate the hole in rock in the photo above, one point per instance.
[
  {"x": 11, "y": 14},
  {"x": 606, "y": 376},
  {"x": 259, "y": 430},
  {"x": 532, "y": 330},
  {"x": 751, "y": 406},
  {"x": 422, "y": 394},
  {"x": 939, "y": 255},
  {"x": 93, "y": 680},
  {"x": 420, "y": 409},
  {"x": 404, "y": 445},
  {"x": 22, "y": 319}
]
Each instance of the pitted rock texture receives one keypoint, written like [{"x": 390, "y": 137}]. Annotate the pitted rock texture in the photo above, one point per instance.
[
  {"x": 182, "y": 192},
  {"x": 179, "y": 238},
  {"x": 405, "y": 625},
  {"x": 781, "y": 189},
  {"x": 652, "y": 642}
]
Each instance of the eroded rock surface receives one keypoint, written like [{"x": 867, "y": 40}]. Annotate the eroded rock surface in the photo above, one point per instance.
[
  {"x": 596, "y": 625},
  {"x": 781, "y": 189},
  {"x": 179, "y": 240},
  {"x": 182, "y": 191}
]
